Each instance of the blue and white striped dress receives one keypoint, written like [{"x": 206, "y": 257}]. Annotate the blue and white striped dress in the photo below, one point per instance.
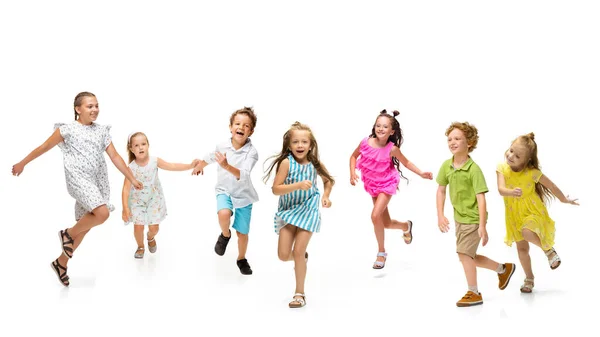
[{"x": 299, "y": 208}]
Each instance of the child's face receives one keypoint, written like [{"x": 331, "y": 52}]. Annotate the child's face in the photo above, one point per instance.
[
  {"x": 300, "y": 145},
  {"x": 517, "y": 156},
  {"x": 241, "y": 129},
  {"x": 457, "y": 142},
  {"x": 88, "y": 110},
  {"x": 139, "y": 147},
  {"x": 383, "y": 128}
]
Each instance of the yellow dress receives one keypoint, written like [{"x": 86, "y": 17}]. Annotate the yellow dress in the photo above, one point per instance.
[{"x": 527, "y": 211}]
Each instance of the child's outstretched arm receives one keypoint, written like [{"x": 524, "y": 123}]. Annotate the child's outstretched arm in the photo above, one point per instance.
[
  {"x": 443, "y": 222},
  {"x": 119, "y": 163},
  {"x": 51, "y": 142},
  {"x": 556, "y": 191},
  {"x": 125, "y": 200},
  {"x": 327, "y": 186},
  {"x": 165, "y": 165},
  {"x": 409, "y": 165},
  {"x": 279, "y": 188},
  {"x": 482, "y": 206},
  {"x": 353, "y": 158},
  {"x": 507, "y": 192}
]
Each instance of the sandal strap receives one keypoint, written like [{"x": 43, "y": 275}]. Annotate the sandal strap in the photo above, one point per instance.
[{"x": 383, "y": 254}]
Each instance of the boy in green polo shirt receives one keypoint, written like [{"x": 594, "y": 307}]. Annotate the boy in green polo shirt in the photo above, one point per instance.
[{"x": 467, "y": 195}]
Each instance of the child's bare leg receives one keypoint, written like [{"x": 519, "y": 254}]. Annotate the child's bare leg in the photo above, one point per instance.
[
  {"x": 225, "y": 221},
  {"x": 470, "y": 268},
  {"x": 138, "y": 234},
  {"x": 63, "y": 259},
  {"x": 242, "y": 245},
  {"x": 96, "y": 217},
  {"x": 379, "y": 205},
  {"x": 390, "y": 223},
  {"x": 523, "y": 250},
  {"x": 531, "y": 237},
  {"x": 286, "y": 240},
  {"x": 152, "y": 231},
  {"x": 485, "y": 262},
  {"x": 300, "y": 244}
]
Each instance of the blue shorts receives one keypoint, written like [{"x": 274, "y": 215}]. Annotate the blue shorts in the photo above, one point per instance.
[{"x": 241, "y": 222}]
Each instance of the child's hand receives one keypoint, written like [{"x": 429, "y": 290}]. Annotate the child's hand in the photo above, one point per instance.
[
  {"x": 138, "y": 185},
  {"x": 305, "y": 185},
  {"x": 126, "y": 214},
  {"x": 195, "y": 162},
  {"x": 443, "y": 224},
  {"x": 199, "y": 168},
  {"x": 517, "y": 192},
  {"x": 427, "y": 175},
  {"x": 326, "y": 202},
  {"x": 353, "y": 179},
  {"x": 483, "y": 235},
  {"x": 221, "y": 159},
  {"x": 17, "y": 169},
  {"x": 571, "y": 201}
]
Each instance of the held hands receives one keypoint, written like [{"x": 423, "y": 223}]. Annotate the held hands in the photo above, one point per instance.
[
  {"x": 199, "y": 167},
  {"x": 194, "y": 163},
  {"x": 326, "y": 202},
  {"x": 483, "y": 235},
  {"x": 304, "y": 185},
  {"x": 126, "y": 214},
  {"x": 426, "y": 175},
  {"x": 443, "y": 224},
  {"x": 17, "y": 169}
]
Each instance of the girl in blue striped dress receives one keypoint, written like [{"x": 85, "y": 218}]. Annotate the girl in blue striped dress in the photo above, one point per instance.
[{"x": 298, "y": 215}]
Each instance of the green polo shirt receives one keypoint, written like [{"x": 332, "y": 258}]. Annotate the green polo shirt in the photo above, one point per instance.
[{"x": 465, "y": 183}]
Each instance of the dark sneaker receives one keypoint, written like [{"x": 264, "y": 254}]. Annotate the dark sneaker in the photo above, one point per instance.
[
  {"x": 221, "y": 244},
  {"x": 244, "y": 267}
]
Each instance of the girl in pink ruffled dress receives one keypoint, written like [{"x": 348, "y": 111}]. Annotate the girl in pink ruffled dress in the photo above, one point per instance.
[{"x": 378, "y": 157}]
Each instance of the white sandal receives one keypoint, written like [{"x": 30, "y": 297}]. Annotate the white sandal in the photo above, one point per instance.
[
  {"x": 527, "y": 286},
  {"x": 554, "y": 259},
  {"x": 379, "y": 264},
  {"x": 298, "y": 302}
]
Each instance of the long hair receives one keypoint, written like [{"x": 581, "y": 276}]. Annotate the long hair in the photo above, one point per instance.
[
  {"x": 312, "y": 155},
  {"x": 130, "y": 153},
  {"x": 528, "y": 141},
  {"x": 395, "y": 138}
]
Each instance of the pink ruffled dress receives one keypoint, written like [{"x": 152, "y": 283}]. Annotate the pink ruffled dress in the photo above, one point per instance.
[{"x": 377, "y": 169}]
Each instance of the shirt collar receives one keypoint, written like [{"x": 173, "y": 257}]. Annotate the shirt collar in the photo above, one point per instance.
[{"x": 464, "y": 167}]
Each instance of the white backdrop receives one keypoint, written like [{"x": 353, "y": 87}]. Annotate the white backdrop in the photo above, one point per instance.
[{"x": 176, "y": 70}]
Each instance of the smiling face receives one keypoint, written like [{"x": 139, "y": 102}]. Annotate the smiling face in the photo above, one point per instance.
[
  {"x": 88, "y": 110},
  {"x": 383, "y": 128},
  {"x": 241, "y": 128},
  {"x": 139, "y": 147},
  {"x": 517, "y": 156},
  {"x": 300, "y": 144},
  {"x": 457, "y": 142}
]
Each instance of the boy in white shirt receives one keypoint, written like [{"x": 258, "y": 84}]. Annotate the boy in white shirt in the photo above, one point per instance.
[{"x": 234, "y": 190}]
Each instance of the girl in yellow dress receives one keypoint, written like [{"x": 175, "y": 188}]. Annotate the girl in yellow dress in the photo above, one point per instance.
[{"x": 526, "y": 190}]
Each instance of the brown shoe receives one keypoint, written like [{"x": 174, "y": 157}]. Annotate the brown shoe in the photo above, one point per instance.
[
  {"x": 504, "y": 278},
  {"x": 470, "y": 299}
]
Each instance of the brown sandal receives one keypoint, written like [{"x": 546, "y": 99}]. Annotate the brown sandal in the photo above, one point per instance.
[
  {"x": 407, "y": 236},
  {"x": 67, "y": 246},
  {"x": 62, "y": 277}
]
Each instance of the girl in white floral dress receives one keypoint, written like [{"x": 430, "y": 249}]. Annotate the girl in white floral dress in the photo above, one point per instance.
[
  {"x": 83, "y": 144},
  {"x": 145, "y": 207}
]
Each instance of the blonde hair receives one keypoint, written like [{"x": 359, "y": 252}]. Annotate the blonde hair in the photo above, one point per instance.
[
  {"x": 312, "y": 155},
  {"x": 528, "y": 141},
  {"x": 130, "y": 153},
  {"x": 470, "y": 132}
]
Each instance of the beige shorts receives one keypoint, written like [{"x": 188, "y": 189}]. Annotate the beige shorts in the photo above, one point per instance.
[{"x": 467, "y": 239}]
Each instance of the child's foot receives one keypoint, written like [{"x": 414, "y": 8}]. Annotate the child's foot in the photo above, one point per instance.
[
  {"x": 62, "y": 276},
  {"x": 504, "y": 278},
  {"x": 66, "y": 242},
  {"x": 553, "y": 258},
  {"x": 527, "y": 286},
  {"x": 244, "y": 267},
  {"x": 298, "y": 301},
  {"x": 408, "y": 233},
  {"x": 470, "y": 299},
  {"x": 139, "y": 253},
  {"x": 380, "y": 262},
  {"x": 152, "y": 245},
  {"x": 221, "y": 244}
]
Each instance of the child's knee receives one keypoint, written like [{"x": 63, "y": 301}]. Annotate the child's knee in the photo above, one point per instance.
[
  {"x": 298, "y": 254},
  {"x": 283, "y": 255},
  {"x": 242, "y": 236},
  {"x": 153, "y": 229},
  {"x": 102, "y": 213}
]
